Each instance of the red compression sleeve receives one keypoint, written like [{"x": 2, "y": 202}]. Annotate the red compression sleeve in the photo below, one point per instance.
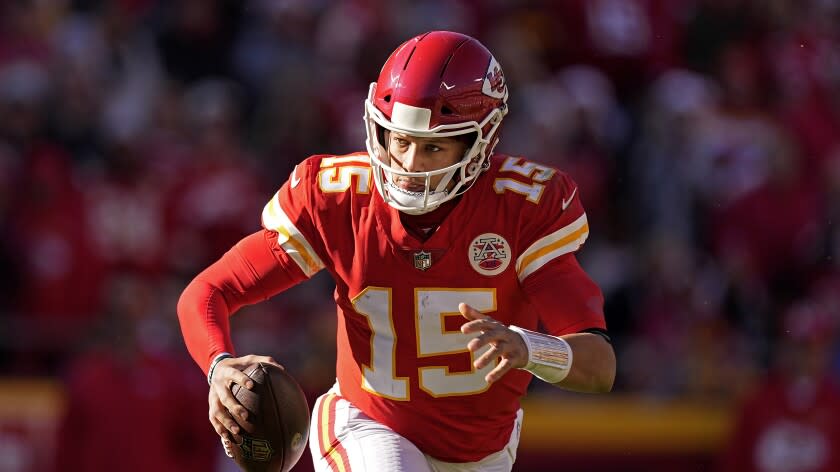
[{"x": 253, "y": 270}]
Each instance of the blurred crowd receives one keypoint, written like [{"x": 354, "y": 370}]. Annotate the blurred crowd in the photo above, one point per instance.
[{"x": 139, "y": 139}]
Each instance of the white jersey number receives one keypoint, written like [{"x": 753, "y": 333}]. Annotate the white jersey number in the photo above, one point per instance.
[
  {"x": 333, "y": 178},
  {"x": 539, "y": 174},
  {"x": 431, "y": 307}
]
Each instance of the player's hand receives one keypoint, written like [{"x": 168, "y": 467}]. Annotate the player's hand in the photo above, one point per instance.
[
  {"x": 504, "y": 343},
  {"x": 223, "y": 405}
]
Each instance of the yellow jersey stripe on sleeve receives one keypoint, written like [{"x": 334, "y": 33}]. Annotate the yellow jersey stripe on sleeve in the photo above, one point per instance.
[
  {"x": 290, "y": 239},
  {"x": 563, "y": 241}
]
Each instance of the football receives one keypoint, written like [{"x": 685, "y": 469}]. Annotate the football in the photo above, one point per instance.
[{"x": 277, "y": 430}]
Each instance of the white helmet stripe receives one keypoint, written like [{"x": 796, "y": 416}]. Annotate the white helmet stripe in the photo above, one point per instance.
[{"x": 407, "y": 116}]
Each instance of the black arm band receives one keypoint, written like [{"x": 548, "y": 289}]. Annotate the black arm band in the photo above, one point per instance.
[{"x": 599, "y": 332}]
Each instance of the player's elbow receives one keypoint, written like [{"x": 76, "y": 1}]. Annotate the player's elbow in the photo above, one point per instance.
[
  {"x": 599, "y": 374},
  {"x": 606, "y": 378},
  {"x": 186, "y": 303},
  {"x": 605, "y": 383},
  {"x": 190, "y": 301}
]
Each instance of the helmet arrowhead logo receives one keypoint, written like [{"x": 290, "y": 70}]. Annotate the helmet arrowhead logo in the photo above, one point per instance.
[
  {"x": 497, "y": 80},
  {"x": 494, "y": 80}
]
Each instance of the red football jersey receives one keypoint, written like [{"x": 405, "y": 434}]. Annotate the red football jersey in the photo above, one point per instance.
[{"x": 402, "y": 358}]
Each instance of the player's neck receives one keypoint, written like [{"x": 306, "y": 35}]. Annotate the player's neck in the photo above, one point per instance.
[{"x": 424, "y": 226}]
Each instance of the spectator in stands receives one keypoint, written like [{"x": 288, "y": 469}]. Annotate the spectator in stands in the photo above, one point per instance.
[{"x": 789, "y": 423}]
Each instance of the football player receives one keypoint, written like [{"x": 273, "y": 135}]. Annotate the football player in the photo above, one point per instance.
[{"x": 456, "y": 279}]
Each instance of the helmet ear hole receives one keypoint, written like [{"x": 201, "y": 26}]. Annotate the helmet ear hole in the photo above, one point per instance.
[
  {"x": 468, "y": 139},
  {"x": 380, "y": 135},
  {"x": 387, "y": 98},
  {"x": 445, "y": 110}
]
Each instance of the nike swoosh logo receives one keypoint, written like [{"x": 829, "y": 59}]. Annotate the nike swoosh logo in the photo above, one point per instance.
[
  {"x": 568, "y": 202},
  {"x": 448, "y": 87},
  {"x": 295, "y": 180}
]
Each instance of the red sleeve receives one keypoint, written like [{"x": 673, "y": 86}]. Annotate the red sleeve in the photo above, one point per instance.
[
  {"x": 566, "y": 299},
  {"x": 255, "y": 269},
  {"x": 563, "y": 295}
]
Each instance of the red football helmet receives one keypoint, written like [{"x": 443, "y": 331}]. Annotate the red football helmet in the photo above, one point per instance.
[{"x": 437, "y": 84}]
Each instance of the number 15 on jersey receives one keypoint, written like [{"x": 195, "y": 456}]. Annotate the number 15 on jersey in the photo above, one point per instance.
[{"x": 431, "y": 307}]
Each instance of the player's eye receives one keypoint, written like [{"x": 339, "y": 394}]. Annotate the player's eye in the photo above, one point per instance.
[{"x": 433, "y": 148}]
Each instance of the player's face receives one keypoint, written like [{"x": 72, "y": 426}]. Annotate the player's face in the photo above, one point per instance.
[{"x": 414, "y": 154}]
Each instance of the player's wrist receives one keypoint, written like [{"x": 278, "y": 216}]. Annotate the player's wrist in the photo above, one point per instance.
[
  {"x": 549, "y": 357},
  {"x": 214, "y": 363}
]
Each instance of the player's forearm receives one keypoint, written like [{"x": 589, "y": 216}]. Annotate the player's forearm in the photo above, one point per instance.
[
  {"x": 249, "y": 273},
  {"x": 238, "y": 278},
  {"x": 203, "y": 314},
  {"x": 593, "y": 365}
]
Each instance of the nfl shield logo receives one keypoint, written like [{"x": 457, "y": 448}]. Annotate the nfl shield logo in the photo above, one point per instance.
[
  {"x": 256, "y": 449},
  {"x": 422, "y": 260}
]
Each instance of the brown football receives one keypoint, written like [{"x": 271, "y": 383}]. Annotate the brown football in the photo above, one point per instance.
[{"x": 277, "y": 430}]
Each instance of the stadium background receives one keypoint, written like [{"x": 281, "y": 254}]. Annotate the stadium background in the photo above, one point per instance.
[{"x": 139, "y": 139}]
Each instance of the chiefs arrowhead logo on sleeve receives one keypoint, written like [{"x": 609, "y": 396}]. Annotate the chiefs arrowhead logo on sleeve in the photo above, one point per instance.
[{"x": 494, "y": 81}]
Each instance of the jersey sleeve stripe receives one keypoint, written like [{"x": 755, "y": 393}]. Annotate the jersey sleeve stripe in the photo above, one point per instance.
[
  {"x": 563, "y": 241},
  {"x": 290, "y": 239}
]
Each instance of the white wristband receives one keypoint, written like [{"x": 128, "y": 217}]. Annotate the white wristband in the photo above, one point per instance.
[
  {"x": 549, "y": 357},
  {"x": 214, "y": 363}
]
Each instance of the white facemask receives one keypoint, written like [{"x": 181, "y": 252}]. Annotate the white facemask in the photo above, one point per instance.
[
  {"x": 416, "y": 202},
  {"x": 468, "y": 168}
]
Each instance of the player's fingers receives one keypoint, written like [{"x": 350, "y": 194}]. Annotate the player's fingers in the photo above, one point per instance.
[
  {"x": 470, "y": 328},
  {"x": 220, "y": 430},
  {"x": 221, "y": 419},
  {"x": 479, "y": 325},
  {"x": 516, "y": 351},
  {"x": 478, "y": 342},
  {"x": 490, "y": 356},
  {"x": 218, "y": 425},
  {"x": 231, "y": 429},
  {"x": 269, "y": 360},
  {"x": 227, "y": 446},
  {"x": 494, "y": 336},
  {"x": 229, "y": 402},
  {"x": 470, "y": 313},
  {"x": 219, "y": 413},
  {"x": 230, "y": 375},
  {"x": 239, "y": 411},
  {"x": 253, "y": 359},
  {"x": 500, "y": 370}
]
